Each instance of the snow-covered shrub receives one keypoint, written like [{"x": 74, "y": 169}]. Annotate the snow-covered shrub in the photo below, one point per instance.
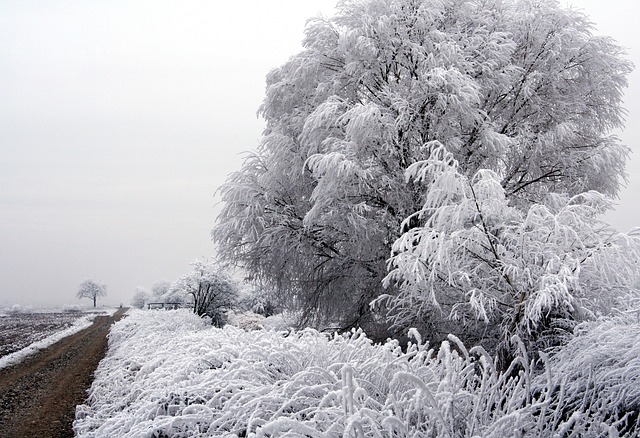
[
  {"x": 260, "y": 300},
  {"x": 281, "y": 322},
  {"x": 172, "y": 374},
  {"x": 476, "y": 258},
  {"x": 212, "y": 290},
  {"x": 17, "y": 308},
  {"x": 141, "y": 297},
  {"x": 245, "y": 320},
  {"x": 159, "y": 289},
  {"x": 72, "y": 308},
  {"x": 595, "y": 378},
  {"x": 167, "y": 292}
]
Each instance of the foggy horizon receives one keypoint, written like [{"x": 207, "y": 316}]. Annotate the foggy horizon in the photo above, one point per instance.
[{"x": 120, "y": 121}]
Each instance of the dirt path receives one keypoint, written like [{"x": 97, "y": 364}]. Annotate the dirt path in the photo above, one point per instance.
[{"x": 38, "y": 397}]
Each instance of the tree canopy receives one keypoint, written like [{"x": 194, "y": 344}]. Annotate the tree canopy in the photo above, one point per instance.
[
  {"x": 526, "y": 272},
  {"x": 516, "y": 99},
  {"x": 91, "y": 289},
  {"x": 140, "y": 297},
  {"x": 214, "y": 292}
]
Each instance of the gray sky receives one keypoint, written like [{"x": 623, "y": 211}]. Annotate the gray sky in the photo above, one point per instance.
[{"x": 120, "y": 118}]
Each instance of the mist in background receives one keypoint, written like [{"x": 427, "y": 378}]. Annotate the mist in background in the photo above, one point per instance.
[{"x": 120, "y": 119}]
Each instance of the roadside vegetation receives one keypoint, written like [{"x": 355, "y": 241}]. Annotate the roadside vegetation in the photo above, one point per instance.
[
  {"x": 425, "y": 210},
  {"x": 170, "y": 373}
]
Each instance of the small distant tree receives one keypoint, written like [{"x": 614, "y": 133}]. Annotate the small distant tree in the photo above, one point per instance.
[
  {"x": 140, "y": 297},
  {"x": 214, "y": 292},
  {"x": 177, "y": 295},
  {"x": 260, "y": 299},
  {"x": 160, "y": 289},
  {"x": 91, "y": 289}
]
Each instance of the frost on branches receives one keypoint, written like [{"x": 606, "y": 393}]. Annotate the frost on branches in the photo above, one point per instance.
[
  {"x": 519, "y": 93},
  {"x": 531, "y": 273},
  {"x": 92, "y": 290},
  {"x": 213, "y": 291}
]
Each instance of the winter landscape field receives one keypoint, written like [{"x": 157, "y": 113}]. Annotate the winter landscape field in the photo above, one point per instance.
[
  {"x": 24, "y": 331},
  {"x": 417, "y": 244},
  {"x": 19, "y": 329}
]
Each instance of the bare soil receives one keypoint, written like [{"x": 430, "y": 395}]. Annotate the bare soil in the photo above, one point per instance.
[
  {"x": 38, "y": 397},
  {"x": 18, "y": 330}
]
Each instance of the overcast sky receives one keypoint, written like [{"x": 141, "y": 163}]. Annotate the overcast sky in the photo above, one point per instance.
[{"x": 120, "y": 118}]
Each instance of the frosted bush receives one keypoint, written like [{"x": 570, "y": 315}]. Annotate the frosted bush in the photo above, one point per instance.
[
  {"x": 485, "y": 268},
  {"x": 596, "y": 378},
  {"x": 17, "y": 308},
  {"x": 280, "y": 322},
  {"x": 72, "y": 308},
  {"x": 172, "y": 374},
  {"x": 245, "y": 320}
]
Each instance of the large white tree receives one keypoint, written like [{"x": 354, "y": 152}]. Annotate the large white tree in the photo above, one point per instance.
[
  {"x": 91, "y": 289},
  {"x": 521, "y": 88}
]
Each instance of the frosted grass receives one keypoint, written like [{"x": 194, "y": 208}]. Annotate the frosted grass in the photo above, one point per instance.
[{"x": 172, "y": 374}]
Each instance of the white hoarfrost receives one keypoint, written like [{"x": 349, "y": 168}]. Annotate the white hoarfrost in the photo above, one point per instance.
[{"x": 172, "y": 374}]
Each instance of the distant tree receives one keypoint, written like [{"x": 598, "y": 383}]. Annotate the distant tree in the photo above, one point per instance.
[
  {"x": 520, "y": 88},
  {"x": 91, "y": 289},
  {"x": 160, "y": 289},
  {"x": 214, "y": 292},
  {"x": 259, "y": 299},
  {"x": 140, "y": 297},
  {"x": 176, "y": 294}
]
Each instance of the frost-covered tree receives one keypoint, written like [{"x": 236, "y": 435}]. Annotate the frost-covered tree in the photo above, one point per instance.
[
  {"x": 520, "y": 88},
  {"x": 91, "y": 289},
  {"x": 259, "y": 299},
  {"x": 140, "y": 297},
  {"x": 502, "y": 270},
  {"x": 160, "y": 289},
  {"x": 177, "y": 295},
  {"x": 214, "y": 292}
]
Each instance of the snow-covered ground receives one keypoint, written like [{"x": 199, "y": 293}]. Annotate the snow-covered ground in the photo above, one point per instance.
[
  {"x": 169, "y": 373},
  {"x": 80, "y": 323}
]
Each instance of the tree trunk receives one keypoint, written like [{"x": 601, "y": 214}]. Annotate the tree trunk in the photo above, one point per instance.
[{"x": 94, "y": 301}]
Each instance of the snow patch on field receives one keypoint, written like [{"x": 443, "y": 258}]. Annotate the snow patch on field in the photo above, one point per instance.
[{"x": 79, "y": 324}]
